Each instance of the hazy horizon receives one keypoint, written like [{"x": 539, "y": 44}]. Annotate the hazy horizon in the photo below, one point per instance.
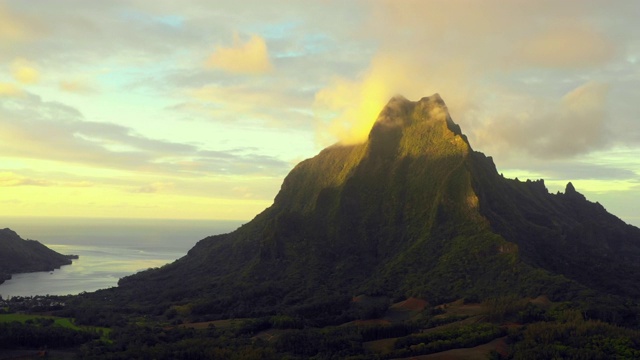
[{"x": 36, "y": 228}]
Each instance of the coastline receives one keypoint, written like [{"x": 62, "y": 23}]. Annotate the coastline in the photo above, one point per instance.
[{"x": 8, "y": 276}]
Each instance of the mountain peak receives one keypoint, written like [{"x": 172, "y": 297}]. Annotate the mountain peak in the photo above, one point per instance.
[
  {"x": 571, "y": 191},
  {"x": 412, "y": 211},
  {"x": 416, "y": 128},
  {"x": 8, "y": 233},
  {"x": 399, "y": 110}
]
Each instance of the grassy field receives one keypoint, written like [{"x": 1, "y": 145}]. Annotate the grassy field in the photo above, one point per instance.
[
  {"x": 64, "y": 322},
  {"x": 59, "y": 321}
]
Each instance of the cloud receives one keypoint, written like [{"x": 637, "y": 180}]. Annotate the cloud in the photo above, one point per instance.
[
  {"x": 153, "y": 188},
  {"x": 574, "y": 125},
  {"x": 477, "y": 55},
  {"x": 24, "y": 72},
  {"x": 358, "y": 102},
  {"x": 249, "y": 102},
  {"x": 346, "y": 109},
  {"x": 77, "y": 86},
  {"x": 94, "y": 33},
  {"x": 566, "y": 47},
  {"x": 34, "y": 129},
  {"x": 12, "y": 27},
  {"x": 9, "y": 89},
  {"x": 10, "y": 179},
  {"x": 251, "y": 57},
  {"x": 569, "y": 170}
]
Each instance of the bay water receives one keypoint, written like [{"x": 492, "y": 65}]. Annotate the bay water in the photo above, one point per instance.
[{"x": 108, "y": 250}]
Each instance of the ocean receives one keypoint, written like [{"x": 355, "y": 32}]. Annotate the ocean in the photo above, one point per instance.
[{"x": 109, "y": 249}]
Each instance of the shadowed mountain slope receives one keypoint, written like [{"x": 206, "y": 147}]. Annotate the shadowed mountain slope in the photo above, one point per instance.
[
  {"x": 563, "y": 233},
  {"x": 414, "y": 211}
]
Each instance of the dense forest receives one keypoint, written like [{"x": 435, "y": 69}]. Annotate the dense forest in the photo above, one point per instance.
[{"x": 373, "y": 328}]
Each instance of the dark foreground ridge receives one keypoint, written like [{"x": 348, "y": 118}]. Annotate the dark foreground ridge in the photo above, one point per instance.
[
  {"x": 413, "y": 211},
  {"x": 20, "y": 256}
]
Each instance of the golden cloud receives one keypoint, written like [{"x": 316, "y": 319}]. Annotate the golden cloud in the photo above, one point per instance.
[
  {"x": 251, "y": 57},
  {"x": 24, "y": 72},
  {"x": 347, "y": 109},
  {"x": 12, "y": 179},
  {"x": 8, "y": 89},
  {"x": 358, "y": 102}
]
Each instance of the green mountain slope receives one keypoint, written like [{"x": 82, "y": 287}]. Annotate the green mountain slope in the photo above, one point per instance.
[
  {"x": 414, "y": 211},
  {"x": 18, "y": 255}
]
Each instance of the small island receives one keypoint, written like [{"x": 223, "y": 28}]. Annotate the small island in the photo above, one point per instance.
[{"x": 72, "y": 257}]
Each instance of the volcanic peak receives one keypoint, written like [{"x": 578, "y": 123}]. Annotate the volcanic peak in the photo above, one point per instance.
[{"x": 416, "y": 128}]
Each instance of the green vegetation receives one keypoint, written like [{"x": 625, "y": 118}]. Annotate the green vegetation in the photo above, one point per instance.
[
  {"x": 539, "y": 329},
  {"x": 67, "y": 323},
  {"x": 574, "y": 339},
  {"x": 20, "y": 331},
  {"x": 446, "y": 339},
  {"x": 25, "y": 318}
]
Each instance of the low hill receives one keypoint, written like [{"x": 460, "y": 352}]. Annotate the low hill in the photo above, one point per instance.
[{"x": 18, "y": 255}]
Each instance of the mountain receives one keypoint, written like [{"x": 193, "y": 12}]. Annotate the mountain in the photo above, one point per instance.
[
  {"x": 414, "y": 211},
  {"x": 19, "y": 256}
]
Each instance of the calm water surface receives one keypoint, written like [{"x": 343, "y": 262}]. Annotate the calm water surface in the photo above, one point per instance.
[{"x": 109, "y": 249}]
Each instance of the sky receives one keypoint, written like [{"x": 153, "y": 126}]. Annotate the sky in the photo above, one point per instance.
[{"x": 198, "y": 109}]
